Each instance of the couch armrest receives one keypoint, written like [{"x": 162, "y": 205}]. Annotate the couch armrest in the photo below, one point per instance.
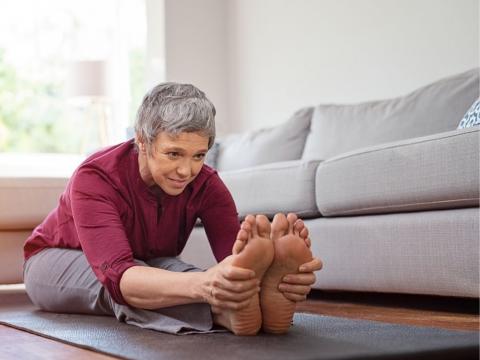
[
  {"x": 286, "y": 186},
  {"x": 26, "y": 201}
]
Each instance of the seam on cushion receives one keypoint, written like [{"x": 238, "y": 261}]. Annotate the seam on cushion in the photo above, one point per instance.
[
  {"x": 396, "y": 146},
  {"x": 266, "y": 169},
  {"x": 406, "y": 205}
]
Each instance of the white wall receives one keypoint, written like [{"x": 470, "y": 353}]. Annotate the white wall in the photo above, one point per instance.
[
  {"x": 195, "y": 44},
  {"x": 286, "y": 54},
  {"x": 155, "y": 64},
  {"x": 261, "y": 60}
]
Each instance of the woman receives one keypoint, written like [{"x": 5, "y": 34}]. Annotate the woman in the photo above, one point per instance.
[{"x": 110, "y": 246}]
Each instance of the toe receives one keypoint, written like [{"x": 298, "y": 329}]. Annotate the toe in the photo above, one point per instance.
[
  {"x": 298, "y": 227},
  {"x": 279, "y": 226},
  {"x": 304, "y": 233},
  {"x": 251, "y": 224},
  {"x": 263, "y": 226},
  {"x": 243, "y": 235},
  {"x": 291, "y": 218},
  {"x": 242, "y": 239}
]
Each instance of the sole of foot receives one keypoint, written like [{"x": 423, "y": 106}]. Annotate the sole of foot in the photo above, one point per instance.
[
  {"x": 253, "y": 250},
  {"x": 290, "y": 252}
]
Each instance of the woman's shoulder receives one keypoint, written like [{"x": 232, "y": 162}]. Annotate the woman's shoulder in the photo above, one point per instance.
[
  {"x": 207, "y": 176},
  {"x": 207, "y": 181},
  {"x": 109, "y": 156},
  {"x": 105, "y": 163}
]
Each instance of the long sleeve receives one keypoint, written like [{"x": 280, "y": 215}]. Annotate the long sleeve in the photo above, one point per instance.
[
  {"x": 219, "y": 217},
  {"x": 95, "y": 210}
]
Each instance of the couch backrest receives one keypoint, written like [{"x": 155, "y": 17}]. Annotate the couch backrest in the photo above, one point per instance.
[
  {"x": 280, "y": 143},
  {"x": 434, "y": 108}
]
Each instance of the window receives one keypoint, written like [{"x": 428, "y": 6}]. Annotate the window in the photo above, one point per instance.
[{"x": 41, "y": 43}]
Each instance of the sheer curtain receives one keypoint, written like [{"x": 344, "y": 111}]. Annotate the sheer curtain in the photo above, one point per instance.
[{"x": 39, "y": 40}]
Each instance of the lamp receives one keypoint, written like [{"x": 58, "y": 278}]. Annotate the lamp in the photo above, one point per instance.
[{"x": 87, "y": 82}]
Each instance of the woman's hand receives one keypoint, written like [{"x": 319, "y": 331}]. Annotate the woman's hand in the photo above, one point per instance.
[
  {"x": 296, "y": 287},
  {"x": 229, "y": 287}
]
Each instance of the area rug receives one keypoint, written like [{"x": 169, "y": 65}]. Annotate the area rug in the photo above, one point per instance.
[{"x": 311, "y": 337}]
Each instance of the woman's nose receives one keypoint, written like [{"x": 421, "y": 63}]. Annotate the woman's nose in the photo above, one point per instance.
[{"x": 184, "y": 169}]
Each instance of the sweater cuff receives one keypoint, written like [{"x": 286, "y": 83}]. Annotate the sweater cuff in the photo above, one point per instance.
[{"x": 112, "y": 275}]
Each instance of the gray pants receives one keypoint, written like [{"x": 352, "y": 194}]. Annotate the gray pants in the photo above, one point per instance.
[{"x": 61, "y": 280}]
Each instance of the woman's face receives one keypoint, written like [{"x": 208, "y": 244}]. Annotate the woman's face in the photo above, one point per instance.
[{"x": 174, "y": 161}]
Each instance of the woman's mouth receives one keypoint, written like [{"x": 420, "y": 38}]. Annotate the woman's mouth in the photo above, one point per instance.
[{"x": 178, "y": 183}]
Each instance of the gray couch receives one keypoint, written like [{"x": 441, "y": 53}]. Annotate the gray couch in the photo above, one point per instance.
[{"x": 389, "y": 189}]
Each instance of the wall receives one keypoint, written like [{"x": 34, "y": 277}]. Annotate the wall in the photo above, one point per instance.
[
  {"x": 261, "y": 60},
  {"x": 195, "y": 43},
  {"x": 286, "y": 54}
]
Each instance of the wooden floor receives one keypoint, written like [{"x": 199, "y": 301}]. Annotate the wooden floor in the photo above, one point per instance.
[
  {"x": 431, "y": 311},
  {"x": 447, "y": 313}
]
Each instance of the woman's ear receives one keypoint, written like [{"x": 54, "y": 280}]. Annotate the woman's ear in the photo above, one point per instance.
[{"x": 141, "y": 145}]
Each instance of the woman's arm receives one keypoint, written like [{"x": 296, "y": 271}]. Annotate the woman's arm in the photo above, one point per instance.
[
  {"x": 219, "y": 217},
  {"x": 152, "y": 288}
]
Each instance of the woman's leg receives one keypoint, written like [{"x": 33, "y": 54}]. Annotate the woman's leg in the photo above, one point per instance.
[{"x": 61, "y": 280}]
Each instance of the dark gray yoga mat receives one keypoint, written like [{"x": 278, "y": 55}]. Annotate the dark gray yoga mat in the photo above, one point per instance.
[{"x": 311, "y": 337}]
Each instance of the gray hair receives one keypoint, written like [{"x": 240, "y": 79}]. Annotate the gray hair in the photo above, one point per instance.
[{"x": 174, "y": 108}]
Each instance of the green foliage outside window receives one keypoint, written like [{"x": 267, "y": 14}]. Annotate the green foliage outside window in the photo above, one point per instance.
[
  {"x": 35, "y": 116},
  {"x": 30, "y": 114}
]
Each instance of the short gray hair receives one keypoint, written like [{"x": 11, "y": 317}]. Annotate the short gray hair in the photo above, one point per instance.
[{"x": 174, "y": 108}]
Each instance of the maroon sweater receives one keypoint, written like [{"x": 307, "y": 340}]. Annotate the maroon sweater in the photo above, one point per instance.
[{"x": 109, "y": 213}]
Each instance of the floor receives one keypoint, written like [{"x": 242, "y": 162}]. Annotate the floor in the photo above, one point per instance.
[{"x": 448, "y": 313}]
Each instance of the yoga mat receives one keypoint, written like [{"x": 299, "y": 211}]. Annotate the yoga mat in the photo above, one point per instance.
[{"x": 311, "y": 337}]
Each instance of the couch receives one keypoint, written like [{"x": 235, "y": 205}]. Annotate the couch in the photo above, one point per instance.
[{"x": 388, "y": 189}]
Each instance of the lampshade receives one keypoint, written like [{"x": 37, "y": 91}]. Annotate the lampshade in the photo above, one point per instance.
[{"x": 87, "y": 78}]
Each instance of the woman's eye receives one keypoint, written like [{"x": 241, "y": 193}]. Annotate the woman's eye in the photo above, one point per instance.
[{"x": 173, "y": 155}]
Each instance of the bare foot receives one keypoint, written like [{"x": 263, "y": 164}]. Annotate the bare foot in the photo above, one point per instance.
[
  {"x": 253, "y": 250},
  {"x": 291, "y": 245}
]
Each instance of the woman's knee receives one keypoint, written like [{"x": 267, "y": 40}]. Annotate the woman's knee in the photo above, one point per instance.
[{"x": 61, "y": 280}]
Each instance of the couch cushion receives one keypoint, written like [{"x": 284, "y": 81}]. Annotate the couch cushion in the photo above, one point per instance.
[
  {"x": 280, "y": 143},
  {"x": 212, "y": 155},
  {"x": 431, "y": 109},
  {"x": 280, "y": 187},
  {"x": 422, "y": 252},
  {"x": 434, "y": 172},
  {"x": 26, "y": 201}
]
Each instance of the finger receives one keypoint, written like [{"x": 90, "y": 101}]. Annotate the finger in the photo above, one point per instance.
[
  {"x": 237, "y": 273},
  {"x": 300, "y": 279},
  {"x": 238, "y": 286},
  {"x": 311, "y": 266},
  {"x": 295, "y": 297},
  {"x": 224, "y": 295},
  {"x": 294, "y": 289},
  {"x": 231, "y": 305}
]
